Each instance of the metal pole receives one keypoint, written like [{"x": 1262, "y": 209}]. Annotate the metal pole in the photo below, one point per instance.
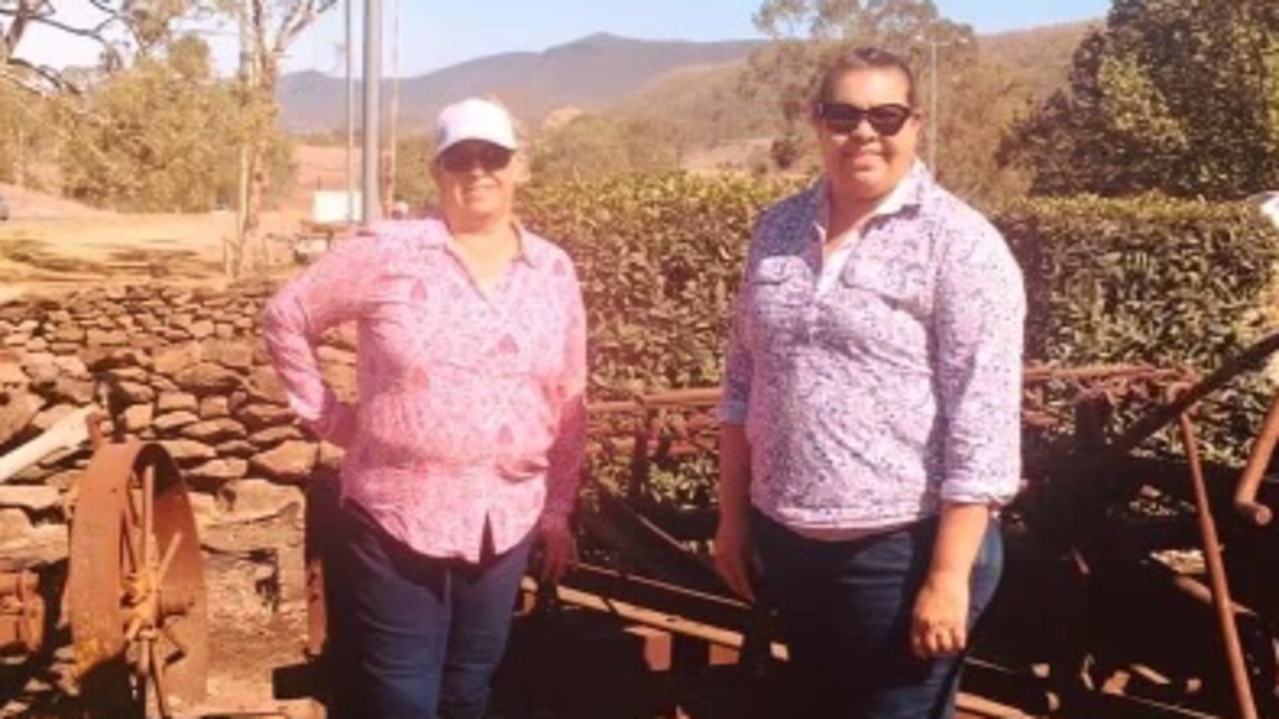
[
  {"x": 933, "y": 139},
  {"x": 395, "y": 102},
  {"x": 350, "y": 116},
  {"x": 233, "y": 258},
  {"x": 1217, "y": 574},
  {"x": 372, "y": 111}
]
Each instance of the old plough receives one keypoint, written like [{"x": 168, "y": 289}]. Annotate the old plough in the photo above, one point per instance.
[
  {"x": 1139, "y": 578},
  {"x": 132, "y": 596}
]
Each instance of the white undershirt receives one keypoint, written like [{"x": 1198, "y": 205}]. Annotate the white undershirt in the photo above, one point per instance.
[{"x": 834, "y": 263}]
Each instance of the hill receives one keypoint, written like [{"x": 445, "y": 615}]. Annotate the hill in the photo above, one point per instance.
[
  {"x": 636, "y": 78},
  {"x": 1042, "y": 55},
  {"x": 588, "y": 73}
]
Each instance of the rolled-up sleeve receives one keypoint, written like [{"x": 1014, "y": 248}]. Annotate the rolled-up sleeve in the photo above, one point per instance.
[
  {"x": 327, "y": 293},
  {"x": 979, "y": 326},
  {"x": 737, "y": 371},
  {"x": 567, "y": 454}
]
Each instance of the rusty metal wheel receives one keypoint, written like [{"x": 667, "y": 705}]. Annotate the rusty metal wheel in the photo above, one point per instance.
[{"x": 135, "y": 589}]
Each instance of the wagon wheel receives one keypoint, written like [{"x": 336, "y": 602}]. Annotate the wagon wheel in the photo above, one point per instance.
[{"x": 135, "y": 589}]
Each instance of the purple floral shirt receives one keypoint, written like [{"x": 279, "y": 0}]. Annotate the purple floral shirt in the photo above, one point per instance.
[{"x": 898, "y": 388}]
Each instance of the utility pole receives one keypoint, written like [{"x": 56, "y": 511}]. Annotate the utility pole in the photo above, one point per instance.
[
  {"x": 933, "y": 138},
  {"x": 934, "y": 127},
  {"x": 233, "y": 257},
  {"x": 372, "y": 111},
  {"x": 393, "y": 140},
  {"x": 350, "y": 117}
]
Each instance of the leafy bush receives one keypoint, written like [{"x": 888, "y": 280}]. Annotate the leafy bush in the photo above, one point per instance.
[{"x": 659, "y": 260}]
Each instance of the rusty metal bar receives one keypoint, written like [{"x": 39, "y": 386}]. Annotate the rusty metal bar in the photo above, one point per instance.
[
  {"x": 681, "y": 398},
  {"x": 1263, "y": 449},
  {"x": 1250, "y": 358},
  {"x": 1039, "y": 373},
  {"x": 1217, "y": 573}
]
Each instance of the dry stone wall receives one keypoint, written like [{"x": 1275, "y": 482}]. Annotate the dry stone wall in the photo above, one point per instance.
[{"x": 188, "y": 369}]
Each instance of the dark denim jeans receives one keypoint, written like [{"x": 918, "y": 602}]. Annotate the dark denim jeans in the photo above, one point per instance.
[
  {"x": 416, "y": 635},
  {"x": 845, "y": 611}
]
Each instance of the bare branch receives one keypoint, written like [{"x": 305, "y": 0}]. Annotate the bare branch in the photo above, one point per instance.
[
  {"x": 43, "y": 12},
  {"x": 302, "y": 15},
  {"x": 51, "y": 76},
  {"x": 22, "y": 15}
]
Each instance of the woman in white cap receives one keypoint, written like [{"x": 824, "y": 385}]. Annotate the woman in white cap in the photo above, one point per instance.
[{"x": 466, "y": 442}]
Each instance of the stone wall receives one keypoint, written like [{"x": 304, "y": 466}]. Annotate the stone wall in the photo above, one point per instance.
[{"x": 189, "y": 370}]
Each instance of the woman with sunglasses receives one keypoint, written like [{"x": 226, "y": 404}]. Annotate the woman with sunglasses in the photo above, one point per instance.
[
  {"x": 465, "y": 443},
  {"x": 871, "y": 412}
]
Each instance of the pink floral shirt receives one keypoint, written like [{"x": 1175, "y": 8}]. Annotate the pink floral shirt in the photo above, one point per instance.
[{"x": 471, "y": 403}]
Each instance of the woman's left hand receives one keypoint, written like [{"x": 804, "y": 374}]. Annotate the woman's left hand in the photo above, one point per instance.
[
  {"x": 559, "y": 550},
  {"x": 939, "y": 626}
]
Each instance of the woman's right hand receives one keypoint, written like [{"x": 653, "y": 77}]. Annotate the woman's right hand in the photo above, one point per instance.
[{"x": 734, "y": 554}]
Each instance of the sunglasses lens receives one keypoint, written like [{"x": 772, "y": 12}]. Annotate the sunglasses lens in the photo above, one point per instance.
[
  {"x": 488, "y": 158},
  {"x": 888, "y": 119},
  {"x": 841, "y": 118},
  {"x": 842, "y": 127},
  {"x": 844, "y": 119}
]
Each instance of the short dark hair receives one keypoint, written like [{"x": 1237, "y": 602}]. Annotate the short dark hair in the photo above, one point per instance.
[{"x": 864, "y": 58}]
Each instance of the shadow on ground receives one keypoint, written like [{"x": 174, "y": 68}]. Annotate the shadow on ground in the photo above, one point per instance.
[{"x": 119, "y": 263}]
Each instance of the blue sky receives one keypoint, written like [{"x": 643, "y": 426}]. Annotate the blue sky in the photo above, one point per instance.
[{"x": 438, "y": 33}]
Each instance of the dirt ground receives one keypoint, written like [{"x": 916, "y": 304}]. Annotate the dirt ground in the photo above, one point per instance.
[
  {"x": 52, "y": 254},
  {"x": 52, "y": 244}
]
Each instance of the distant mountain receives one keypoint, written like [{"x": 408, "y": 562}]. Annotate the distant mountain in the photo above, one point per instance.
[
  {"x": 589, "y": 73},
  {"x": 692, "y": 83},
  {"x": 1043, "y": 54}
]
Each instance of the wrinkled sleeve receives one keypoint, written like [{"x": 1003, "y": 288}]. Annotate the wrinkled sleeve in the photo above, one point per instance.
[
  {"x": 979, "y": 324},
  {"x": 567, "y": 454},
  {"x": 327, "y": 293}
]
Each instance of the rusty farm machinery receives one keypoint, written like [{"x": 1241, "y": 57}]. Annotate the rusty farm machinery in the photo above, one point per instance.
[
  {"x": 132, "y": 597},
  {"x": 1138, "y": 582}
]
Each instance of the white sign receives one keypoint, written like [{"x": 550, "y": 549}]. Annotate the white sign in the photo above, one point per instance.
[{"x": 336, "y": 206}]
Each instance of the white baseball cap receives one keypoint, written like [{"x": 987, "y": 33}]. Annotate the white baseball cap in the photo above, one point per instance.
[{"x": 474, "y": 119}]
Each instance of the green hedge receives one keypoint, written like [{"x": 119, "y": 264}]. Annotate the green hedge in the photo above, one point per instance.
[
  {"x": 1171, "y": 283},
  {"x": 1168, "y": 283},
  {"x": 659, "y": 261}
]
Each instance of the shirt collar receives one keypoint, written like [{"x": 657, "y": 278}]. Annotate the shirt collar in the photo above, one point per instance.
[
  {"x": 909, "y": 193},
  {"x": 438, "y": 237}
]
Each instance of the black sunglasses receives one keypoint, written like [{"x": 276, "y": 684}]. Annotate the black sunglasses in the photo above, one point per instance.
[
  {"x": 841, "y": 118},
  {"x": 490, "y": 158}
]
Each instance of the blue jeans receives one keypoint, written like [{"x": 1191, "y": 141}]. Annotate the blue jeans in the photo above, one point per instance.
[
  {"x": 414, "y": 635},
  {"x": 845, "y": 611}
]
